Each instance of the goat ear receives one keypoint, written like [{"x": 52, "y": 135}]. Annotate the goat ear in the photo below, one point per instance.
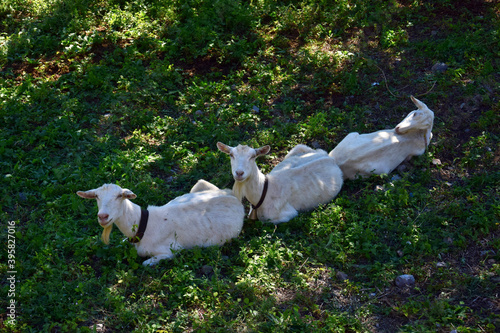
[
  {"x": 87, "y": 194},
  {"x": 128, "y": 194},
  {"x": 419, "y": 104},
  {"x": 224, "y": 148},
  {"x": 263, "y": 150}
]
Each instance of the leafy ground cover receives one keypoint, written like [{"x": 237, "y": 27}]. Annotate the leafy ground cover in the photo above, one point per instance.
[{"x": 137, "y": 93}]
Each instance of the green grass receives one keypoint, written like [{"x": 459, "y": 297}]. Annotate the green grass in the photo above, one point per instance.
[{"x": 138, "y": 93}]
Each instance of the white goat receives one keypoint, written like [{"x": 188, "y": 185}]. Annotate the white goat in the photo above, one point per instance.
[
  {"x": 202, "y": 185},
  {"x": 302, "y": 182},
  {"x": 207, "y": 216},
  {"x": 299, "y": 155},
  {"x": 382, "y": 151}
]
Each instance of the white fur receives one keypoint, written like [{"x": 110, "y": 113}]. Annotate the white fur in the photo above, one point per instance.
[
  {"x": 382, "y": 151},
  {"x": 202, "y": 185},
  {"x": 299, "y": 155},
  {"x": 305, "y": 179},
  {"x": 206, "y": 217}
]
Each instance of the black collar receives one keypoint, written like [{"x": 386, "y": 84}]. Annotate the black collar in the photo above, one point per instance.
[
  {"x": 142, "y": 227},
  {"x": 263, "y": 196}
]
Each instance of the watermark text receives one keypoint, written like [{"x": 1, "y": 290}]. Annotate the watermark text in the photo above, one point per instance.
[{"x": 11, "y": 273}]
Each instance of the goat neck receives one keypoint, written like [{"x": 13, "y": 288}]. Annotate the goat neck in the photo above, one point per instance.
[
  {"x": 253, "y": 186},
  {"x": 415, "y": 136},
  {"x": 131, "y": 216}
]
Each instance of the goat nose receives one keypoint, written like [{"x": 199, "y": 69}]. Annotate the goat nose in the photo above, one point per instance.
[
  {"x": 239, "y": 173},
  {"x": 103, "y": 217}
]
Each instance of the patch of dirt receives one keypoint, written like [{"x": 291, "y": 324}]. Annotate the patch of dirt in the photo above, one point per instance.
[
  {"x": 284, "y": 296},
  {"x": 203, "y": 66},
  {"x": 45, "y": 67},
  {"x": 21, "y": 68}
]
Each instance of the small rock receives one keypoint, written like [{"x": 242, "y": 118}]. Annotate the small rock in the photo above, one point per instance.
[
  {"x": 439, "y": 67},
  {"x": 436, "y": 161},
  {"x": 341, "y": 276},
  {"x": 486, "y": 253},
  {"x": 406, "y": 280},
  {"x": 441, "y": 264},
  {"x": 315, "y": 144},
  {"x": 395, "y": 177},
  {"x": 488, "y": 87},
  {"x": 22, "y": 196},
  {"x": 453, "y": 331},
  {"x": 492, "y": 261},
  {"x": 495, "y": 279},
  {"x": 207, "y": 269},
  {"x": 462, "y": 105},
  {"x": 98, "y": 328},
  {"x": 255, "y": 109},
  {"x": 199, "y": 113}
]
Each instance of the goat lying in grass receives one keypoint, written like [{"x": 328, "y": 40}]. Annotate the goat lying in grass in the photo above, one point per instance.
[
  {"x": 299, "y": 155},
  {"x": 305, "y": 179},
  {"x": 382, "y": 151},
  {"x": 207, "y": 216}
]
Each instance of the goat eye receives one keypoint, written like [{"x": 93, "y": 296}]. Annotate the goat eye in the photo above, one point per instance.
[{"x": 231, "y": 155}]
